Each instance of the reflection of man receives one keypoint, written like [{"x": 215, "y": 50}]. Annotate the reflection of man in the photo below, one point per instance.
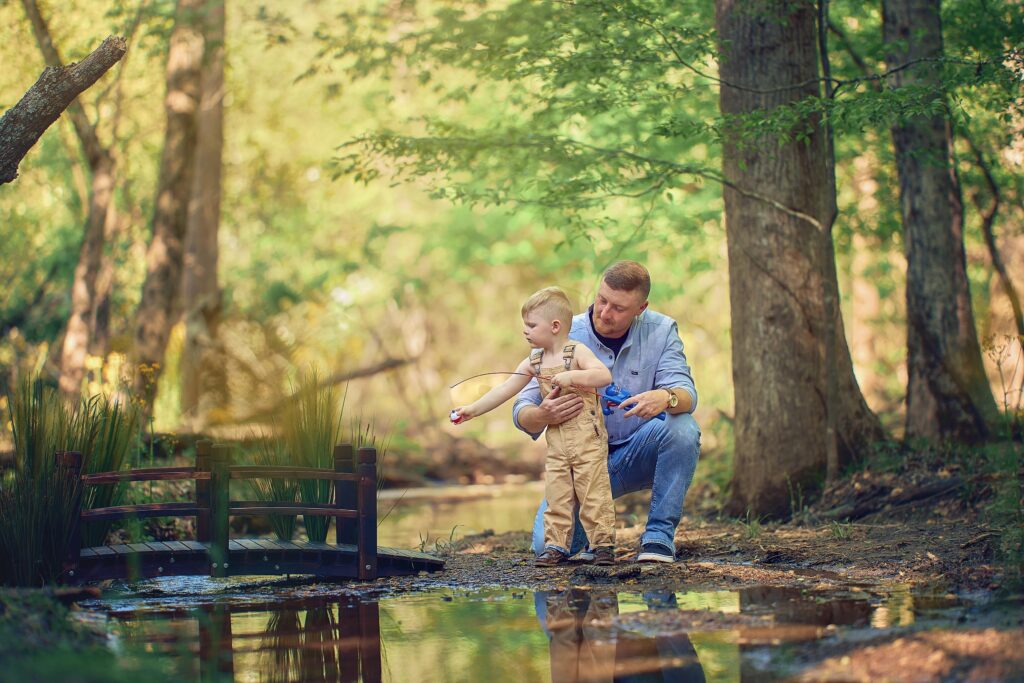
[
  {"x": 643, "y": 350},
  {"x": 584, "y": 651}
]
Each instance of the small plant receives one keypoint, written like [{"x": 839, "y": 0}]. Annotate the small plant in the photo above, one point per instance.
[
  {"x": 839, "y": 531},
  {"x": 441, "y": 546},
  {"x": 751, "y": 526}
]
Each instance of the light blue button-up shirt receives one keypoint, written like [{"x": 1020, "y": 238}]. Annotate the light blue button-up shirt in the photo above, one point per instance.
[{"x": 651, "y": 358}]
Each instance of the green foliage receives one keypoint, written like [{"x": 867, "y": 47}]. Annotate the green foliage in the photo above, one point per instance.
[
  {"x": 36, "y": 499},
  {"x": 270, "y": 452},
  {"x": 35, "y": 515},
  {"x": 839, "y": 531},
  {"x": 310, "y": 425},
  {"x": 751, "y": 526}
]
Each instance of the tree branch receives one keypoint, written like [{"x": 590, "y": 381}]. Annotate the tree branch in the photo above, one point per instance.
[
  {"x": 988, "y": 218},
  {"x": 57, "y": 87},
  {"x": 336, "y": 378}
]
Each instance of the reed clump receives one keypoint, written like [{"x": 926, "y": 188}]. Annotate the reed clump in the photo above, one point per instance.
[{"x": 37, "y": 498}]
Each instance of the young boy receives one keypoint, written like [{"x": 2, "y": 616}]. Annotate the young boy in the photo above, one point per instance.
[{"x": 576, "y": 466}]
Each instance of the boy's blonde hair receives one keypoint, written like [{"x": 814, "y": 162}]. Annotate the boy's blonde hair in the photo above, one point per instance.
[{"x": 551, "y": 301}]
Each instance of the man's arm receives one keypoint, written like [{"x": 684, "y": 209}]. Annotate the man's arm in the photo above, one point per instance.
[{"x": 672, "y": 375}]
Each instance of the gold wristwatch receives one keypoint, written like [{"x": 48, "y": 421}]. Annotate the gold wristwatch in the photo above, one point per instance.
[{"x": 673, "y": 400}]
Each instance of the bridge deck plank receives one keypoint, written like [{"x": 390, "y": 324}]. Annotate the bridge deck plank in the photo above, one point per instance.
[{"x": 253, "y": 554}]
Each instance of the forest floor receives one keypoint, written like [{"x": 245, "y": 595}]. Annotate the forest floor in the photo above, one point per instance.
[{"x": 916, "y": 535}]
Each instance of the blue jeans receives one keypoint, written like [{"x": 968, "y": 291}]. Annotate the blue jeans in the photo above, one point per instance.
[{"x": 660, "y": 456}]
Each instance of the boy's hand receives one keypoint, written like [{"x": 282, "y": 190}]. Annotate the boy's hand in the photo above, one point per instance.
[
  {"x": 563, "y": 379},
  {"x": 462, "y": 414}
]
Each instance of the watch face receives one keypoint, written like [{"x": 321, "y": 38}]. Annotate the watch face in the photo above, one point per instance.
[{"x": 673, "y": 400}]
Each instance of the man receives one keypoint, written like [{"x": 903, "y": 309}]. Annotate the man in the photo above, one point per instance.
[{"x": 643, "y": 350}]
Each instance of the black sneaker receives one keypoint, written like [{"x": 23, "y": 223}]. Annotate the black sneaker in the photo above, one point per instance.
[
  {"x": 551, "y": 558},
  {"x": 656, "y": 552},
  {"x": 604, "y": 556}
]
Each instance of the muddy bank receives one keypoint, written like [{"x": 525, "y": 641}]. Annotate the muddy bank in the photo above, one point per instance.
[{"x": 830, "y": 595}]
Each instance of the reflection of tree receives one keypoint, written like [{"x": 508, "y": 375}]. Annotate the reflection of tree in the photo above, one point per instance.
[
  {"x": 791, "y": 606},
  {"x": 582, "y": 651}
]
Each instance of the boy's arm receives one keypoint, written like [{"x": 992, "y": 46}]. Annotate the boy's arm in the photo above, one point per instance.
[
  {"x": 591, "y": 373},
  {"x": 499, "y": 394}
]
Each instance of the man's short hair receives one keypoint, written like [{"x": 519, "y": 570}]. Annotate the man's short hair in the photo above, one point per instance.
[
  {"x": 628, "y": 276},
  {"x": 550, "y": 301}
]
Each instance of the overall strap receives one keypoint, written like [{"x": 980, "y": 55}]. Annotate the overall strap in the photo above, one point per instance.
[
  {"x": 567, "y": 354},
  {"x": 536, "y": 356}
]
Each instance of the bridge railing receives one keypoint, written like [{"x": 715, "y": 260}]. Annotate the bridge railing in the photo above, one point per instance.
[{"x": 354, "y": 507}]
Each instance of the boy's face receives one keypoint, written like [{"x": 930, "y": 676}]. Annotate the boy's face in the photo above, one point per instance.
[{"x": 539, "y": 328}]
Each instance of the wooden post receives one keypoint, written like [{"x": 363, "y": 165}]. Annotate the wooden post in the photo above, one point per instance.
[
  {"x": 349, "y": 635},
  {"x": 367, "y": 506},
  {"x": 369, "y": 641},
  {"x": 346, "y": 530},
  {"x": 70, "y": 462},
  {"x": 220, "y": 478},
  {"x": 204, "y": 450}
]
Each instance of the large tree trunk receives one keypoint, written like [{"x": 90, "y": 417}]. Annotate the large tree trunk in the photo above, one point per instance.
[
  {"x": 165, "y": 257},
  {"x": 201, "y": 374},
  {"x": 948, "y": 396},
  {"x": 778, "y": 205},
  {"x": 79, "y": 332}
]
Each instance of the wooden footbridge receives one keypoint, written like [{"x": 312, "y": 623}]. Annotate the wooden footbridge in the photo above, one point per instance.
[{"x": 353, "y": 555}]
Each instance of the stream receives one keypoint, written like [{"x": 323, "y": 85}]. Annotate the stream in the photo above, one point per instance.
[{"x": 267, "y": 630}]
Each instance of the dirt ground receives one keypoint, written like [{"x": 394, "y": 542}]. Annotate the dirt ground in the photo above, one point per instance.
[{"x": 937, "y": 549}]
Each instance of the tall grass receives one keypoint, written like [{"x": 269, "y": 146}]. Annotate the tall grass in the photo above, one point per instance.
[
  {"x": 271, "y": 452},
  {"x": 36, "y": 498},
  {"x": 305, "y": 434},
  {"x": 310, "y": 428}
]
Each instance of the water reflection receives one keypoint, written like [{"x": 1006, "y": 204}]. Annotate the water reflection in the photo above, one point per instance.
[
  {"x": 320, "y": 642},
  {"x": 309, "y": 633},
  {"x": 576, "y": 622}
]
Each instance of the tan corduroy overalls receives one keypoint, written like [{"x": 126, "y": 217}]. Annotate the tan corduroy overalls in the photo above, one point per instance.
[{"x": 576, "y": 467}]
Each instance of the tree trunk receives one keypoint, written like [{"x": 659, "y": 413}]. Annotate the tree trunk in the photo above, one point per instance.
[
  {"x": 80, "y": 328},
  {"x": 948, "y": 396},
  {"x": 201, "y": 299},
  {"x": 778, "y": 203},
  {"x": 165, "y": 257}
]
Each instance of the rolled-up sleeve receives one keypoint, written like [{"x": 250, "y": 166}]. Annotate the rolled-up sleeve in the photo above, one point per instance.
[
  {"x": 673, "y": 370},
  {"x": 529, "y": 396}
]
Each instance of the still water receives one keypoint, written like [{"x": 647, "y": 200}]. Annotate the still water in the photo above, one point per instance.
[
  {"x": 272, "y": 630},
  {"x": 244, "y": 630},
  {"x": 414, "y": 518}
]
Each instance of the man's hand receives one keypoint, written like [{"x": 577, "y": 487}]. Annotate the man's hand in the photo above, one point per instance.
[
  {"x": 646, "y": 404},
  {"x": 554, "y": 409}
]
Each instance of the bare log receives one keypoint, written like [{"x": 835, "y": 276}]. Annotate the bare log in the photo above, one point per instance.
[{"x": 44, "y": 102}]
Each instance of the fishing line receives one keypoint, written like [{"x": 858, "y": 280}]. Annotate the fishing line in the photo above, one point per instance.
[{"x": 574, "y": 388}]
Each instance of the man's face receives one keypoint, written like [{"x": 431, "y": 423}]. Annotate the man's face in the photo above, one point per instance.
[{"x": 614, "y": 310}]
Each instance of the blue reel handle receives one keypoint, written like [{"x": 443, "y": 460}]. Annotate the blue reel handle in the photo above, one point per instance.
[{"x": 613, "y": 396}]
